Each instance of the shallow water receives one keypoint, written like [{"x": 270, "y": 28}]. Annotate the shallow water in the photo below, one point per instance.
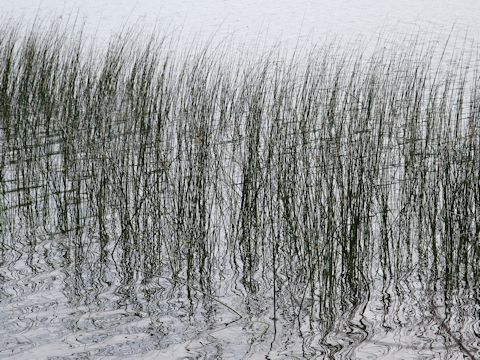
[
  {"x": 61, "y": 298},
  {"x": 266, "y": 22}
]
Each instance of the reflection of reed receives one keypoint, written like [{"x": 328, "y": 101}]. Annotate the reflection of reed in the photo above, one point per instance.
[{"x": 301, "y": 178}]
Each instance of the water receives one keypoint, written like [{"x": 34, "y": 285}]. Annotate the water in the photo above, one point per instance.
[
  {"x": 267, "y": 21},
  {"x": 194, "y": 228}
]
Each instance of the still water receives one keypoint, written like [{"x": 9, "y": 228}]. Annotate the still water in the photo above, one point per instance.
[
  {"x": 267, "y": 21},
  {"x": 216, "y": 208}
]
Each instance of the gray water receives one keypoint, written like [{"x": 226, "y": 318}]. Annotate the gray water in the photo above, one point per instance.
[
  {"x": 269, "y": 22},
  {"x": 63, "y": 300}
]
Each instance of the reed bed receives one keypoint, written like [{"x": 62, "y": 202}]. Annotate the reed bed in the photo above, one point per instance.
[{"x": 306, "y": 177}]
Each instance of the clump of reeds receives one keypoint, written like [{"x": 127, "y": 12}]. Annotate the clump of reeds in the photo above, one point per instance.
[{"x": 298, "y": 174}]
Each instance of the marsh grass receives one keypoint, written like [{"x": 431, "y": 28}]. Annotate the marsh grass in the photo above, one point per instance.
[{"x": 297, "y": 175}]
